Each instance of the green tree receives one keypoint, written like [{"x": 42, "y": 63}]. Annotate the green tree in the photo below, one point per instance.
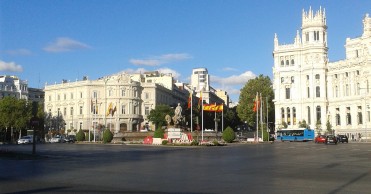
[
  {"x": 107, "y": 136},
  {"x": 159, "y": 133},
  {"x": 80, "y": 136},
  {"x": 261, "y": 84},
  {"x": 303, "y": 124},
  {"x": 228, "y": 135},
  {"x": 157, "y": 115},
  {"x": 329, "y": 127},
  {"x": 231, "y": 118}
]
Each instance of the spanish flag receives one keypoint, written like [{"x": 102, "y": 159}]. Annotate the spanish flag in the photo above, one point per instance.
[
  {"x": 109, "y": 109},
  {"x": 256, "y": 103},
  {"x": 190, "y": 100}
]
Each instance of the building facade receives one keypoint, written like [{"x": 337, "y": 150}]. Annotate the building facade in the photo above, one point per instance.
[
  {"x": 13, "y": 86},
  {"x": 309, "y": 88}
]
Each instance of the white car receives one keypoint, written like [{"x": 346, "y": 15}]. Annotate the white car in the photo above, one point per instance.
[
  {"x": 57, "y": 139},
  {"x": 25, "y": 140}
]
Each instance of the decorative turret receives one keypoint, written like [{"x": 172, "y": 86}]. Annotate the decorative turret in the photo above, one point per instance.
[
  {"x": 309, "y": 19},
  {"x": 275, "y": 41},
  {"x": 314, "y": 29},
  {"x": 366, "y": 26}
]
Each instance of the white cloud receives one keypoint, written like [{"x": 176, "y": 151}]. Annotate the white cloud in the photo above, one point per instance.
[
  {"x": 19, "y": 52},
  {"x": 63, "y": 44},
  {"x": 160, "y": 60},
  {"x": 230, "y": 69},
  {"x": 174, "y": 73},
  {"x": 10, "y": 66},
  {"x": 234, "y": 79}
]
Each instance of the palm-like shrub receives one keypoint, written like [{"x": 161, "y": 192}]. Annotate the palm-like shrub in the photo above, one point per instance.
[
  {"x": 229, "y": 135},
  {"x": 107, "y": 136},
  {"x": 80, "y": 136}
]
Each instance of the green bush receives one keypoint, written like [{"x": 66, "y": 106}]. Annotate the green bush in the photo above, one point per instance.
[
  {"x": 80, "y": 136},
  {"x": 216, "y": 143},
  {"x": 164, "y": 142},
  {"x": 107, "y": 136},
  {"x": 194, "y": 143},
  {"x": 229, "y": 135},
  {"x": 159, "y": 133},
  {"x": 91, "y": 136}
]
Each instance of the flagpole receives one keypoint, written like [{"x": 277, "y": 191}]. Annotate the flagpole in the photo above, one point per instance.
[
  {"x": 223, "y": 117},
  {"x": 191, "y": 111},
  {"x": 257, "y": 113},
  {"x": 266, "y": 104},
  {"x": 202, "y": 120},
  {"x": 216, "y": 130},
  {"x": 261, "y": 115}
]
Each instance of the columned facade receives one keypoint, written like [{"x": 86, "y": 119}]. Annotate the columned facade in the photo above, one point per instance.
[{"x": 309, "y": 87}]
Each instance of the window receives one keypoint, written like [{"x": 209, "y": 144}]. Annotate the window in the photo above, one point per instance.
[
  {"x": 307, "y": 77},
  {"x": 336, "y": 76},
  {"x": 59, "y": 97},
  {"x": 318, "y": 92},
  {"x": 146, "y": 110},
  {"x": 292, "y": 62},
  {"x": 292, "y": 79},
  {"x": 336, "y": 91},
  {"x": 65, "y": 111},
  {"x": 109, "y": 92},
  {"x": 71, "y": 111},
  {"x": 346, "y": 90},
  {"x": 316, "y": 35},
  {"x": 282, "y": 63},
  {"x": 294, "y": 115},
  {"x": 287, "y": 63},
  {"x": 123, "y": 109},
  {"x": 50, "y": 98},
  {"x": 282, "y": 79},
  {"x": 123, "y": 93},
  {"x": 80, "y": 110},
  {"x": 146, "y": 95},
  {"x": 71, "y": 95},
  {"x": 287, "y": 93},
  {"x": 317, "y": 76},
  {"x": 308, "y": 92},
  {"x": 307, "y": 37},
  {"x": 346, "y": 74},
  {"x": 318, "y": 113},
  {"x": 80, "y": 94},
  {"x": 349, "y": 119},
  {"x": 64, "y": 96},
  {"x": 338, "y": 116},
  {"x": 283, "y": 114},
  {"x": 357, "y": 53},
  {"x": 80, "y": 126},
  {"x": 288, "y": 116},
  {"x": 357, "y": 72},
  {"x": 95, "y": 94},
  {"x": 359, "y": 115}
]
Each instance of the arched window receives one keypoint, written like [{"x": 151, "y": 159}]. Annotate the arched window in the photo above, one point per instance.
[
  {"x": 294, "y": 115},
  {"x": 318, "y": 113},
  {"x": 288, "y": 116},
  {"x": 282, "y": 63},
  {"x": 292, "y": 62},
  {"x": 283, "y": 114},
  {"x": 318, "y": 91},
  {"x": 287, "y": 63},
  {"x": 308, "y": 112},
  {"x": 292, "y": 79}
]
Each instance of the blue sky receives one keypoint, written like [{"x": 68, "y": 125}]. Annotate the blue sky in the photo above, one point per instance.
[{"x": 48, "y": 40}]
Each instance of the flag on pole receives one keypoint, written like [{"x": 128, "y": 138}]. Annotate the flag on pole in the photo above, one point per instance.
[
  {"x": 256, "y": 103},
  {"x": 190, "y": 100},
  {"x": 113, "y": 111},
  {"x": 109, "y": 109}
]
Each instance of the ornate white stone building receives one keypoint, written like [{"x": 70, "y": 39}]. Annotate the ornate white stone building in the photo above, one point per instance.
[
  {"x": 86, "y": 103},
  {"x": 309, "y": 87}
]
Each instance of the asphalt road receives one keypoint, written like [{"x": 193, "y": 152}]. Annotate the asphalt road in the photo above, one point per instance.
[{"x": 289, "y": 167}]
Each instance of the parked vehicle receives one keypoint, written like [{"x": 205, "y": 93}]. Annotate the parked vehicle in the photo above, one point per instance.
[
  {"x": 70, "y": 139},
  {"x": 300, "y": 134},
  {"x": 320, "y": 139},
  {"x": 25, "y": 140},
  {"x": 342, "y": 138},
  {"x": 331, "y": 139},
  {"x": 57, "y": 139}
]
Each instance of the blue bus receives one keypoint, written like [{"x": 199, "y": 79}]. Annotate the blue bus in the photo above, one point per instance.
[{"x": 300, "y": 134}]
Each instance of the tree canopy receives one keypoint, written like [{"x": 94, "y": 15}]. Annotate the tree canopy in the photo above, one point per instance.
[
  {"x": 14, "y": 113},
  {"x": 261, "y": 84},
  {"x": 157, "y": 115}
]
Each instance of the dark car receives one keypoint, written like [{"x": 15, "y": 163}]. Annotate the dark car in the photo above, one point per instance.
[
  {"x": 70, "y": 139},
  {"x": 331, "y": 139},
  {"x": 342, "y": 138}
]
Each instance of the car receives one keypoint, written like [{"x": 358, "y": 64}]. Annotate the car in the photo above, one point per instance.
[
  {"x": 25, "y": 140},
  {"x": 342, "y": 138},
  {"x": 331, "y": 139},
  {"x": 320, "y": 139},
  {"x": 70, "y": 139},
  {"x": 57, "y": 139}
]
